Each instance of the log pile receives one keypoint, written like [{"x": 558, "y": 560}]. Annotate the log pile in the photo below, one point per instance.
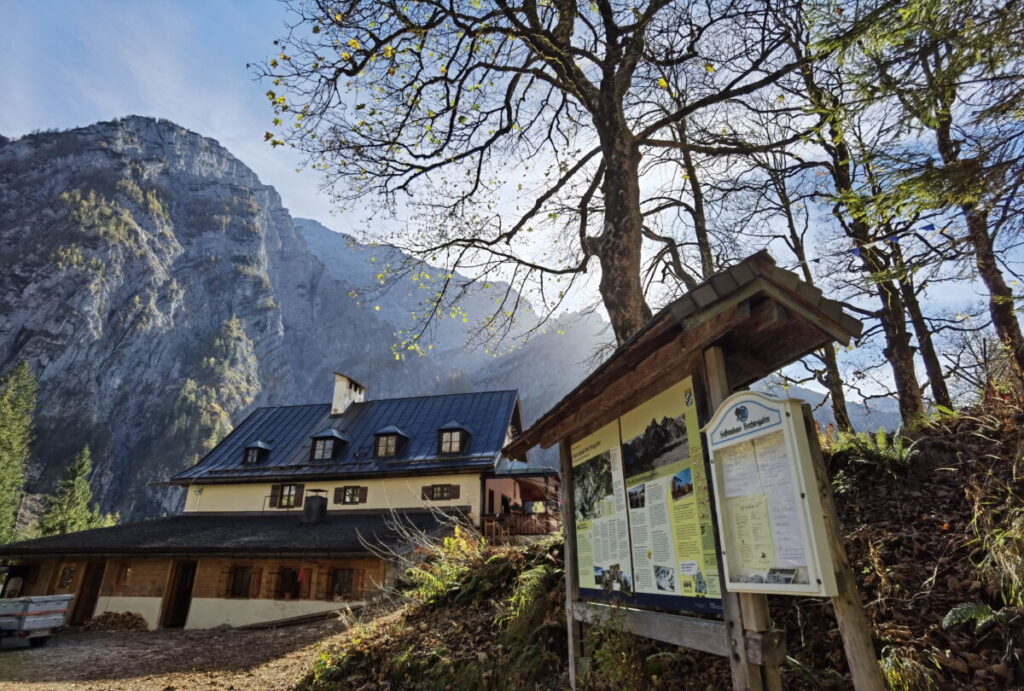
[{"x": 117, "y": 621}]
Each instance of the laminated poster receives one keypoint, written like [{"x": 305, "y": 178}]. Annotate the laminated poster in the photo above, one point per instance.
[
  {"x": 602, "y": 529},
  {"x": 670, "y": 522}
]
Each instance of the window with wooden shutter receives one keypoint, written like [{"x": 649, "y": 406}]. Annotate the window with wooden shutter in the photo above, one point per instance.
[
  {"x": 289, "y": 496},
  {"x": 275, "y": 496},
  {"x": 427, "y": 493},
  {"x": 339, "y": 494},
  {"x": 363, "y": 492},
  {"x": 455, "y": 491},
  {"x": 240, "y": 581},
  {"x": 256, "y": 583},
  {"x": 288, "y": 586},
  {"x": 444, "y": 492},
  {"x": 342, "y": 584}
]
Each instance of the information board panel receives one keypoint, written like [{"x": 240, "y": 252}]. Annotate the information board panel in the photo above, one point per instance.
[
  {"x": 769, "y": 511},
  {"x": 602, "y": 528},
  {"x": 644, "y": 529}
]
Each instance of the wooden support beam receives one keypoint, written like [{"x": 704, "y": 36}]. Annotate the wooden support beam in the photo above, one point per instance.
[
  {"x": 853, "y": 623},
  {"x": 706, "y": 635},
  {"x": 572, "y": 581}
]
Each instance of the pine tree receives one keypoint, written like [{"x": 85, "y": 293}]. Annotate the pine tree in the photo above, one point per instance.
[
  {"x": 17, "y": 403},
  {"x": 69, "y": 508}
]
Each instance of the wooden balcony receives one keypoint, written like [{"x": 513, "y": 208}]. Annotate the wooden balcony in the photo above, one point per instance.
[{"x": 504, "y": 525}]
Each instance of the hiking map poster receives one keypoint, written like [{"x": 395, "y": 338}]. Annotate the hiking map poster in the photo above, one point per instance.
[
  {"x": 645, "y": 534},
  {"x": 671, "y": 524},
  {"x": 602, "y": 530}
]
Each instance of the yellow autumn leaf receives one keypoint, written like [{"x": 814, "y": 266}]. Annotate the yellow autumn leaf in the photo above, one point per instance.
[{"x": 662, "y": 82}]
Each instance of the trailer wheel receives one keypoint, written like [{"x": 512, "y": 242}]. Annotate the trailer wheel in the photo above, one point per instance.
[{"x": 38, "y": 641}]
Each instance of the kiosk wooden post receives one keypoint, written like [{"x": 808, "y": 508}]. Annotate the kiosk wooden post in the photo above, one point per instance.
[
  {"x": 743, "y": 611},
  {"x": 572, "y": 585},
  {"x": 849, "y": 610}
]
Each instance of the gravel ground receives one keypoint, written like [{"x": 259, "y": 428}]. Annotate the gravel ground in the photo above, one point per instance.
[{"x": 219, "y": 659}]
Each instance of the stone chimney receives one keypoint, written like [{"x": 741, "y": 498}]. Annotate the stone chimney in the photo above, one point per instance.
[{"x": 346, "y": 392}]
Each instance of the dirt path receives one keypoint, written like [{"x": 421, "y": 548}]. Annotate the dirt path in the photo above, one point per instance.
[{"x": 272, "y": 659}]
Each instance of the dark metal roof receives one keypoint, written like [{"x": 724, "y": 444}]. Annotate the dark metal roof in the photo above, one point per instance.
[
  {"x": 344, "y": 533},
  {"x": 289, "y": 429}
]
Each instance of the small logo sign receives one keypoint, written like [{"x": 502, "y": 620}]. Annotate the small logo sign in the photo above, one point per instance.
[
  {"x": 741, "y": 413},
  {"x": 688, "y": 397}
]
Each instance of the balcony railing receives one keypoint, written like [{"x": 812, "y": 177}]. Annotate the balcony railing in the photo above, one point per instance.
[{"x": 508, "y": 524}]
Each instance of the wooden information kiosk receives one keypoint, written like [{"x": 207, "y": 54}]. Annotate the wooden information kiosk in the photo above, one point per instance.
[{"x": 644, "y": 532}]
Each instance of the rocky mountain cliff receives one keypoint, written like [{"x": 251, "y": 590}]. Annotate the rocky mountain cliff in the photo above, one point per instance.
[{"x": 160, "y": 292}]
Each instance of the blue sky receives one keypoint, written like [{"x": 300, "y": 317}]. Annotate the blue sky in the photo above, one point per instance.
[{"x": 72, "y": 63}]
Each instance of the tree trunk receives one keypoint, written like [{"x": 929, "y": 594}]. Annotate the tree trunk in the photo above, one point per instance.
[
  {"x": 834, "y": 383},
  {"x": 619, "y": 246},
  {"x": 925, "y": 345},
  {"x": 1001, "y": 300},
  {"x": 700, "y": 223}
]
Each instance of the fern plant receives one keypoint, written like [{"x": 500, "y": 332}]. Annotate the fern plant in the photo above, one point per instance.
[{"x": 981, "y": 614}]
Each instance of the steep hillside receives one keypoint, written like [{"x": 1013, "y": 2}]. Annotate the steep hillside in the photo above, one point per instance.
[{"x": 160, "y": 291}]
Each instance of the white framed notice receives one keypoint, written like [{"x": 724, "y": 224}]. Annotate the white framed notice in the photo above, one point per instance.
[{"x": 770, "y": 520}]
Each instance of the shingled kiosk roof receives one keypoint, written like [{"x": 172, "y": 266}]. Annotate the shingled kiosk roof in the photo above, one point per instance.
[
  {"x": 338, "y": 535},
  {"x": 763, "y": 316}
]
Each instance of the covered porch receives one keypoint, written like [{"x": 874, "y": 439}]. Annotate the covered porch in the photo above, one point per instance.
[{"x": 520, "y": 499}]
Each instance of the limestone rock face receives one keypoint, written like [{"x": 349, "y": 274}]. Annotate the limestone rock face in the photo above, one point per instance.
[{"x": 160, "y": 292}]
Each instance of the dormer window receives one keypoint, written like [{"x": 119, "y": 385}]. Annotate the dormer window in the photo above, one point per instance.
[
  {"x": 389, "y": 443},
  {"x": 453, "y": 438},
  {"x": 451, "y": 442},
  {"x": 326, "y": 445},
  {"x": 255, "y": 452},
  {"x": 323, "y": 449}
]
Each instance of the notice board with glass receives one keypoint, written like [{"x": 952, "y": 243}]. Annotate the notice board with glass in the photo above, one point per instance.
[
  {"x": 769, "y": 511},
  {"x": 645, "y": 534}
]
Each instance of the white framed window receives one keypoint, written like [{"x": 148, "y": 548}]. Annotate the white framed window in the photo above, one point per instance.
[
  {"x": 387, "y": 445},
  {"x": 289, "y": 496},
  {"x": 323, "y": 449},
  {"x": 451, "y": 441},
  {"x": 252, "y": 456}
]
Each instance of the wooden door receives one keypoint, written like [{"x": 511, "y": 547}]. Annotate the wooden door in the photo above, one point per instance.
[
  {"x": 179, "y": 595},
  {"x": 88, "y": 593}
]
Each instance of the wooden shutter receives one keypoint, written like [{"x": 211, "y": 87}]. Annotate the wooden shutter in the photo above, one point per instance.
[
  {"x": 298, "y": 494},
  {"x": 255, "y": 582},
  {"x": 275, "y": 496},
  {"x": 427, "y": 493},
  {"x": 455, "y": 491},
  {"x": 305, "y": 582},
  {"x": 362, "y": 494},
  {"x": 227, "y": 577},
  {"x": 339, "y": 495}
]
